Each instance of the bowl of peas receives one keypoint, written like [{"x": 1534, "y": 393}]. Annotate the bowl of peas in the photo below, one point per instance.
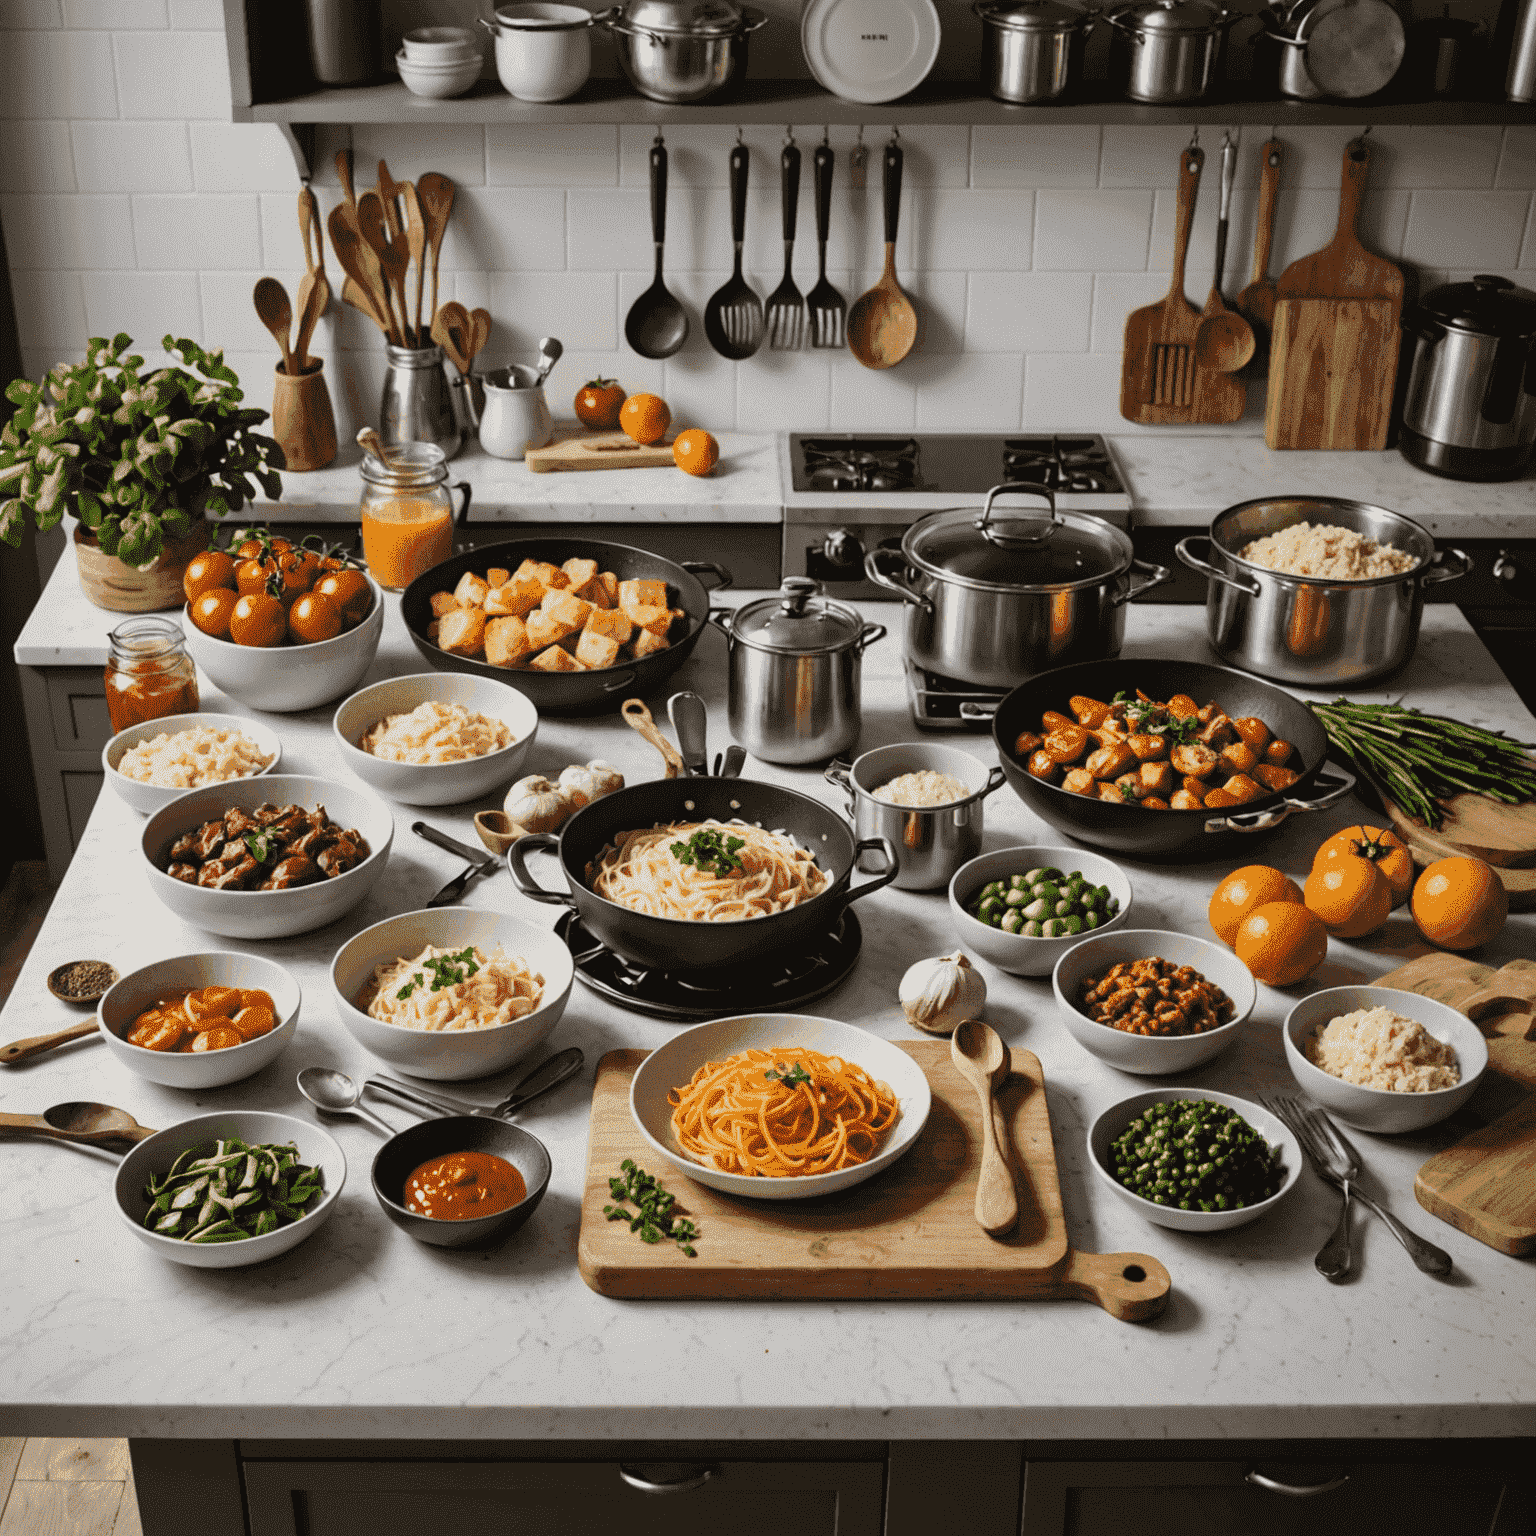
[{"x": 1022, "y": 908}]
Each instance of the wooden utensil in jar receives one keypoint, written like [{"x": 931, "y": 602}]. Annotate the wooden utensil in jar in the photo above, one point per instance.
[
  {"x": 981, "y": 1059},
  {"x": 371, "y": 220},
  {"x": 275, "y": 312},
  {"x": 434, "y": 192},
  {"x": 416, "y": 241},
  {"x": 314, "y": 288},
  {"x": 451, "y": 330},
  {"x": 364, "y": 288}
]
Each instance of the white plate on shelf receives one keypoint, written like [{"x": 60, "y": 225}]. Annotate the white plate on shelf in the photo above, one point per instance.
[{"x": 870, "y": 50}]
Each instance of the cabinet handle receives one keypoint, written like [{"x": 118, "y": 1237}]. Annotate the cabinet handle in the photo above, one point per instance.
[
  {"x": 692, "y": 1477},
  {"x": 1294, "y": 1490}
]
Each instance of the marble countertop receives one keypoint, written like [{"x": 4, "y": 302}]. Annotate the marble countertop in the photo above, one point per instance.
[{"x": 361, "y": 1332}]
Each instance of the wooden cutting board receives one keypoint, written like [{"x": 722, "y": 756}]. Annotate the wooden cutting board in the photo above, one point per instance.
[
  {"x": 575, "y": 450},
  {"x": 1503, "y": 836},
  {"x": 1485, "y": 1185},
  {"x": 909, "y": 1232},
  {"x": 1333, "y": 350}
]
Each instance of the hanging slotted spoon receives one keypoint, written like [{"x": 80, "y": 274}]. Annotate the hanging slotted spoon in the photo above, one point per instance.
[
  {"x": 786, "y": 309},
  {"x": 733, "y": 318},
  {"x": 825, "y": 306}
]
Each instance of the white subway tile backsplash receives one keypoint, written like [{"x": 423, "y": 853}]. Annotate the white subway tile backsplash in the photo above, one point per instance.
[
  {"x": 250, "y": 157},
  {"x": 160, "y": 72},
  {"x": 933, "y": 155},
  {"x": 959, "y": 231},
  {"x": 67, "y": 232},
  {"x": 1072, "y": 392},
  {"x": 31, "y": 15},
  {"x": 282, "y": 247},
  {"x": 1028, "y": 311},
  {"x": 1037, "y": 156},
  {"x": 1149, "y": 157},
  {"x": 57, "y": 75},
  {"x": 636, "y": 374},
  {"x": 132, "y": 157},
  {"x": 581, "y": 308},
  {"x": 197, "y": 15},
  {"x": 776, "y": 388},
  {"x": 700, "y": 388},
  {"x": 35, "y": 157},
  {"x": 869, "y": 399},
  {"x": 50, "y": 311},
  {"x": 115, "y": 15},
  {"x": 1456, "y": 156},
  {"x": 1467, "y": 229},
  {"x": 198, "y": 232},
  {"x": 939, "y": 298},
  {"x": 1115, "y": 295},
  {"x": 148, "y": 305},
  {"x": 1517, "y": 163},
  {"x": 611, "y": 228},
  {"x": 493, "y": 229},
  {"x": 980, "y": 393},
  {"x": 455, "y": 149},
  {"x": 698, "y": 154},
  {"x": 230, "y": 311},
  {"x": 1092, "y": 231},
  {"x": 553, "y": 155}
]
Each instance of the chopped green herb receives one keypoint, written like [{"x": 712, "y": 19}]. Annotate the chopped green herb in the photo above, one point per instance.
[
  {"x": 654, "y": 1216},
  {"x": 791, "y": 1079},
  {"x": 261, "y": 846},
  {"x": 710, "y": 850},
  {"x": 447, "y": 971}
]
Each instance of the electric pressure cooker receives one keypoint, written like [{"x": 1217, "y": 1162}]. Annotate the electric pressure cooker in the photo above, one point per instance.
[{"x": 1470, "y": 411}]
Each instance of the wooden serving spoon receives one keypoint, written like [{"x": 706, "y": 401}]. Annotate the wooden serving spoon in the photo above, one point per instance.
[
  {"x": 451, "y": 330},
  {"x": 364, "y": 286},
  {"x": 35, "y": 1045},
  {"x": 416, "y": 241},
  {"x": 1224, "y": 340},
  {"x": 276, "y": 313},
  {"x": 82, "y": 1121},
  {"x": 435, "y": 192},
  {"x": 638, "y": 717},
  {"x": 497, "y": 830},
  {"x": 376, "y": 236},
  {"x": 882, "y": 324},
  {"x": 479, "y": 334},
  {"x": 981, "y": 1059}
]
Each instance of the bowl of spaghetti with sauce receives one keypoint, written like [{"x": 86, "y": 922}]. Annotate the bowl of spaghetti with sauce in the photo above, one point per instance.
[{"x": 779, "y": 1106}]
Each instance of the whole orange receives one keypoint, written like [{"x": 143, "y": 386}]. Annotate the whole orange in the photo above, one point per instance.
[
  {"x": 1350, "y": 895},
  {"x": 1459, "y": 903},
  {"x": 1281, "y": 942},
  {"x": 1384, "y": 849},
  {"x": 1242, "y": 891},
  {"x": 645, "y": 418},
  {"x": 695, "y": 451}
]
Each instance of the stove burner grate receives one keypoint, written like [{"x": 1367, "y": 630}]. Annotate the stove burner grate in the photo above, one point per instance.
[
  {"x": 1061, "y": 463},
  {"x": 939, "y": 703},
  {"x": 862, "y": 464}
]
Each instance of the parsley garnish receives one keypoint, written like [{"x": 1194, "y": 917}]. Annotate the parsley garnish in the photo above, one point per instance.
[
  {"x": 709, "y": 850},
  {"x": 791, "y": 1078},
  {"x": 654, "y": 1217},
  {"x": 261, "y": 846},
  {"x": 447, "y": 971}
]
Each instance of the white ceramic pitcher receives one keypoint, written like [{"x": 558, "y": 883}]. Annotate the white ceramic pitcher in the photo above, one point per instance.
[{"x": 515, "y": 416}]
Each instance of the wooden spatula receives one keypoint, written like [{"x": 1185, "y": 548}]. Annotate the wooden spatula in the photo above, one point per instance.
[
  {"x": 1157, "y": 380},
  {"x": 364, "y": 288},
  {"x": 1257, "y": 301},
  {"x": 435, "y": 193},
  {"x": 372, "y": 221}
]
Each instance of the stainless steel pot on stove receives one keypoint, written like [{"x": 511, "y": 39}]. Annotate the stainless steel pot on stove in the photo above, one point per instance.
[
  {"x": 1031, "y": 50},
  {"x": 1311, "y": 630},
  {"x": 1173, "y": 46},
  {"x": 794, "y": 673},
  {"x": 682, "y": 50},
  {"x": 993, "y": 597}
]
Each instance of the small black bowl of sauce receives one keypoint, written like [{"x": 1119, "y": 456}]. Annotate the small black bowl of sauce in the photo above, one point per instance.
[{"x": 462, "y": 1181}]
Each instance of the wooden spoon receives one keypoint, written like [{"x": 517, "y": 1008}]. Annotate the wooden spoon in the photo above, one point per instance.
[
  {"x": 370, "y": 442},
  {"x": 479, "y": 333},
  {"x": 638, "y": 717},
  {"x": 390, "y": 194},
  {"x": 344, "y": 175},
  {"x": 35, "y": 1045},
  {"x": 375, "y": 230},
  {"x": 363, "y": 271},
  {"x": 882, "y": 324},
  {"x": 497, "y": 830},
  {"x": 314, "y": 295},
  {"x": 1257, "y": 300},
  {"x": 451, "y": 330},
  {"x": 435, "y": 192},
  {"x": 79, "y": 1121},
  {"x": 982, "y": 1060},
  {"x": 1224, "y": 341},
  {"x": 416, "y": 240},
  {"x": 275, "y": 312}
]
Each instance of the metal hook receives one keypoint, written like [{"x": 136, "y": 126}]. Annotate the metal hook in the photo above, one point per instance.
[
  {"x": 895, "y": 135},
  {"x": 658, "y": 140},
  {"x": 861, "y": 136},
  {"x": 789, "y": 135},
  {"x": 826, "y": 134},
  {"x": 738, "y": 133}
]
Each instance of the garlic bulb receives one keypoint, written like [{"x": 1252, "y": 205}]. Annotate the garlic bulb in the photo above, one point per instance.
[
  {"x": 938, "y": 994},
  {"x": 582, "y": 783},
  {"x": 537, "y": 804}
]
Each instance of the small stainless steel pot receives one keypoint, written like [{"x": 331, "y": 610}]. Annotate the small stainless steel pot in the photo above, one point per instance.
[
  {"x": 930, "y": 843},
  {"x": 682, "y": 50},
  {"x": 1173, "y": 46},
  {"x": 993, "y": 597},
  {"x": 1031, "y": 50},
  {"x": 1341, "y": 49},
  {"x": 794, "y": 673},
  {"x": 1306, "y": 629}
]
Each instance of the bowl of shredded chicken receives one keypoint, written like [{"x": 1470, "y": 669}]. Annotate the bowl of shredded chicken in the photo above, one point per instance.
[
  {"x": 1327, "y": 553},
  {"x": 435, "y": 732},
  {"x": 444, "y": 990},
  {"x": 1380, "y": 1048},
  {"x": 925, "y": 788}
]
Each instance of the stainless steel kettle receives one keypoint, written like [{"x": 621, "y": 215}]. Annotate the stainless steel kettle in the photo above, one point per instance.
[{"x": 1470, "y": 408}]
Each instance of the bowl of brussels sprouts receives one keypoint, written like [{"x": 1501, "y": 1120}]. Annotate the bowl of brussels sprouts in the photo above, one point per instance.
[{"x": 1023, "y": 908}]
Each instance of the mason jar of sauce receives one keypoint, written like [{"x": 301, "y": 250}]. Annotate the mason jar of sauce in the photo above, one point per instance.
[
  {"x": 148, "y": 674},
  {"x": 407, "y": 513}
]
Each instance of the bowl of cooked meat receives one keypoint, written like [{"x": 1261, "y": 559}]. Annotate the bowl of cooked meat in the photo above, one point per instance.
[
  {"x": 264, "y": 858},
  {"x": 1160, "y": 758}
]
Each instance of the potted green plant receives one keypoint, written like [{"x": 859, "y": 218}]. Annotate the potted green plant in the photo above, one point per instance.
[{"x": 140, "y": 459}]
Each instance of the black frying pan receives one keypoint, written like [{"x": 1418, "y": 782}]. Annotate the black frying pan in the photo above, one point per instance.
[
  {"x": 572, "y": 693},
  {"x": 671, "y": 944},
  {"x": 1129, "y": 829}
]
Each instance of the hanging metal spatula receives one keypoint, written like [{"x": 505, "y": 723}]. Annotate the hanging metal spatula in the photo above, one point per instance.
[
  {"x": 786, "y": 308},
  {"x": 733, "y": 318}
]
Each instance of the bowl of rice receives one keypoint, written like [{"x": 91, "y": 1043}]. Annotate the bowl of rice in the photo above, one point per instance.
[
  {"x": 1384, "y": 1060},
  {"x": 151, "y": 764},
  {"x": 449, "y": 993},
  {"x": 436, "y": 738}
]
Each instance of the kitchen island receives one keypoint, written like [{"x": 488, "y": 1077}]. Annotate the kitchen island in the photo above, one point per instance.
[{"x": 472, "y": 1363}]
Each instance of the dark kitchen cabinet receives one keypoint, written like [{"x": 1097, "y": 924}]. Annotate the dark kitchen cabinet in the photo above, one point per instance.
[{"x": 67, "y": 726}]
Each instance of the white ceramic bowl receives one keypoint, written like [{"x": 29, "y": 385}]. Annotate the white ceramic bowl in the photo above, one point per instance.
[
  {"x": 451, "y": 1056},
  {"x": 673, "y": 1064},
  {"x": 1379, "y": 1109},
  {"x": 1151, "y": 1055},
  {"x": 440, "y": 45},
  {"x": 155, "y": 1155},
  {"x": 543, "y": 52},
  {"x": 1117, "y": 1117},
  {"x": 1013, "y": 952},
  {"x": 436, "y": 783},
  {"x": 203, "y": 1069},
  {"x": 149, "y": 798},
  {"x": 437, "y": 82},
  {"x": 268, "y": 914},
  {"x": 286, "y": 678}
]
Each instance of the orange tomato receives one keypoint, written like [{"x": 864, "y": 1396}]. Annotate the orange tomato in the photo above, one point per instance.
[
  {"x": 208, "y": 572},
  {"x": 695, "y": 451},
  {"x": 1281, "y": 942},
  {"x": 348, "y": 589},
  {"x": 211, "y": 611},
  {"x": 252, "y": 576},
  {"x": 1459, "y": 903},
  {"x": 1383, "y": 848},
  {"x": 258, "y": 619},
  {"x": 645, "y": 418},
  {"x": 598, "y": 401},
  {"x": 250, "y": 549},
  {"x": 1242, "y": 891},
  {"x": 1350, "y": 895},
  {"x": 300, "y": 568},
  {"x": 312, "y": 618}
]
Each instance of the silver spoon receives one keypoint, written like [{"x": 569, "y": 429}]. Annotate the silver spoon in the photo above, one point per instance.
[
  {"x": 538, "y": 1079},
  {"x": 337, "y": 1094},
  {"x": 549, "y": 354}
]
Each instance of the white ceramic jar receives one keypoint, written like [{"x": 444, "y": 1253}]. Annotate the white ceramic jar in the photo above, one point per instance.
[{"x": 543, "y": 51}]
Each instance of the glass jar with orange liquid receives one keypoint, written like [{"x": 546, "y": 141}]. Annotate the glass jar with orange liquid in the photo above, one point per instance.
[
  {"x": 149, "y": 674},
  {"x": 407, "y": 513}
]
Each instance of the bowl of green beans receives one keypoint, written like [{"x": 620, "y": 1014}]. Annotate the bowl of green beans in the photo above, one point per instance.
[
  {"x": 1193, "y": 1159},
  {"x": 1022, "y": 908}
]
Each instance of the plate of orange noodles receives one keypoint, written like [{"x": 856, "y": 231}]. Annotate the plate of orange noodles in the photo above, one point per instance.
[{"x": 779, "y": 1106}]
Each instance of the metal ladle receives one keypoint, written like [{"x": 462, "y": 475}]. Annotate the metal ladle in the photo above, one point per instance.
[
  {"x": 657, "y": 324},
  {"x": 550, "y": 352}
]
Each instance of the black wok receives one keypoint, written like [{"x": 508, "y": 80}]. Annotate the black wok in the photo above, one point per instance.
[
  {"x": 673, "y": 944},
  {"x": 1193, "y": 835},
  {"x": 567, "y": 693}
]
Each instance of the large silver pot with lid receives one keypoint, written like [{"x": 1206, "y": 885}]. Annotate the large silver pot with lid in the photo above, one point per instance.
[
  {"x": 794, "y": 673},
  {"x": 1031, "y": 50},
  {"x": 682, "y": 50},
  {"x": 1470, "y": 411},
  {"x": 1343, "y": 49},
  {"x": 1173, "y": 46},
  {"x": 1315, "y": 631},
  {"x": 997, "y": 595}
]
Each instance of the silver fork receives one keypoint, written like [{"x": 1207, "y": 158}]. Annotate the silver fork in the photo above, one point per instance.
[{"x": 1335, "y": 1159}]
